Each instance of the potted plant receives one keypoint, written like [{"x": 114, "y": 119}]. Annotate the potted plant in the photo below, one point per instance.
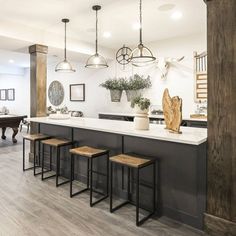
[
  {"x": 134, "y": 86},
  {"x": 115, "y": 86},
  {"x": 141, "y": 106}
]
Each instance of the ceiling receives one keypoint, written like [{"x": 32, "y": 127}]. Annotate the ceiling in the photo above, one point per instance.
[{"x": 37, "y": 21}]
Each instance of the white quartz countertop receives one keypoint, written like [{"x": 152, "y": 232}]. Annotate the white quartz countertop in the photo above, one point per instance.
[
  {"x": 193, "y": 136},
  {"x": 150, "y": 116}
]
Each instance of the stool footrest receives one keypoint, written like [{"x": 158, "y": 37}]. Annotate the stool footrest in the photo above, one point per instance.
[
  {"x": 48, "y": 177},
  {"x": 145, "y": 218},
  {"x": 65, "y": 182},
  {"x": 29, "y": 168},
  {"x": 81, "y": 191},
  {"x": 119, "y": 206},
  {"x": 99, "y": 200},
  {"x": 86, "y": 189}
]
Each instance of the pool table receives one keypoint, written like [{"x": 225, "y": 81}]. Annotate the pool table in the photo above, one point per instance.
[{"x": 11, "y": 121}]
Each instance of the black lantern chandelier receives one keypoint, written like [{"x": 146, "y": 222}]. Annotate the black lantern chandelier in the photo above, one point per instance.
[
  {"x": 96, "y": 61},
  {"x": 64, "y": 66},
  {"x": 141, "y": 55}
]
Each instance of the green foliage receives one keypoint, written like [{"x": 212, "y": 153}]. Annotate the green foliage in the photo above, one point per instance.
[
  {"x": 143, "y": 103},
  {"x": 113, "y": 84},
  {"x": 137, "y": 82}
]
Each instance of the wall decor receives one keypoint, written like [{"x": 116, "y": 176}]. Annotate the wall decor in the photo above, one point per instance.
[
  {"x": 77, "y": 92},
  {"x": 56, "y": 93},
  {"x": 122, "y": 55},
  {"x": 3, "y": 94},
  {"x": 200, "y": 74},
  {"x": 172, "y": 110},
  {"x": 164, "y": 63},
  {"x": 11, "y": 94}
]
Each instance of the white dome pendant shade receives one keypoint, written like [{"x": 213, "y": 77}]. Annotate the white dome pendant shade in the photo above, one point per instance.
[
  {"x": 65, "y": 65},
  {"x": 96, "y": 61},
  {"x": 141, "y": 55}
]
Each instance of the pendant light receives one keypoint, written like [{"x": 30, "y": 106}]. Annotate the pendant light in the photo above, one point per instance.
[
  {"x": 96, "y": 60},
  {"x": 141, "y": 55},
  {"x": 64, "y": 66}
]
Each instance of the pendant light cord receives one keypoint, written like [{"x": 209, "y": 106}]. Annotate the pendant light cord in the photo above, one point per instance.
[
  {"x": 65, "y": 56},
  {"x": 140, "y": 22},
  {"x": 96, "y": 42}
]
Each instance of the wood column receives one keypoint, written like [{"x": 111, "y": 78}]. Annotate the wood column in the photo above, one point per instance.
[
  {"x": 220, "y": 218},
  {"x": 38, "y": 80}
]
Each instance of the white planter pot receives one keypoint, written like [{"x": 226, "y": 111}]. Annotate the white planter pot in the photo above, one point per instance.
[
  {"x": 141, "y": 123},
  {"x": 141, "y": 120}
]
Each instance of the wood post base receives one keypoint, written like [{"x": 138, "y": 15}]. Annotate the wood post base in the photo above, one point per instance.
[{"x": 216, "y": 226}]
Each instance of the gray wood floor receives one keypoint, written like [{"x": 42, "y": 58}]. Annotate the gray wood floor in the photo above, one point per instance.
[{"x": 29, "y": 206}]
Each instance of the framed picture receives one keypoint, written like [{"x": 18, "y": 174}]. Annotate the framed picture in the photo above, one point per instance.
[
  {"x": 11, "y": 94},
  {"x": 77, "y": 92},
  {"x": 3, "y": 94}
]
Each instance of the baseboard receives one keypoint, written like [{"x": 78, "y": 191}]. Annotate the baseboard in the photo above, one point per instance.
[{"x": 216, "y": 226}]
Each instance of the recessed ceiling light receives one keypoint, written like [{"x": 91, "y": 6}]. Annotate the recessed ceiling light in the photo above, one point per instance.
[
  {"x": 166, "y": 7},
  {"x": 107, "y": 34},
  {"x": 136, "y": 26},
  {"x": 176, "y": 15},
  {"x": 11, "y": 61}
]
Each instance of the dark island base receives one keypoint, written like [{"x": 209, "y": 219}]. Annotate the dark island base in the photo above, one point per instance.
[{"x": 181, "y": 170}]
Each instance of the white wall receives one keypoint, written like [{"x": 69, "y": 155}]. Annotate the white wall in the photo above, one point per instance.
[
  {"x": 20, "y": 81},
  {"x": 180, "y": 79}
]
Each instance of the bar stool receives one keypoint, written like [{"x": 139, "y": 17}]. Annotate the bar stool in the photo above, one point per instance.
[
  {"x": 57, "y": 144},
  {"x": 34, "y": 138},
  {"x": 137, "y": 163},
  {"x": 90, "y": 153}
]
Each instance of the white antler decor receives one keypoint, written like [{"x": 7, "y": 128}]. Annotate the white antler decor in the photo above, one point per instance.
[{"x": 164, "y": 63}]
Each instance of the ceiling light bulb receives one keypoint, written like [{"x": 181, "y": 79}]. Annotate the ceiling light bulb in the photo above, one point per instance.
[
  {"x": 107, "y": 34},
  {"x": 136, "y": 26},
  {"x": 176, "y": 15},
  {"x": 11, "y": 61}
]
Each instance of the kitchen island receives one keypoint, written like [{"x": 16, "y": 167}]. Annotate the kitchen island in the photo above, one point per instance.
[{"x": 181, "y": 161}]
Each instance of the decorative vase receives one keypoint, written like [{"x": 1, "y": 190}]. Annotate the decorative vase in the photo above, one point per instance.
[
  {"x": 115, "y": 95},
  {"x": 131, "y": 94},
  {"x": 141, "y": 120}
]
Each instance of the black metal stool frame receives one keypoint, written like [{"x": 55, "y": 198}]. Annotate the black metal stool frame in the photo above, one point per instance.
[
  {"x": 50, "y": 164},
  {"x": 35, "y": 161},
  {"x": 112, "y": 209},
  {"x": 90, "y": 172}
]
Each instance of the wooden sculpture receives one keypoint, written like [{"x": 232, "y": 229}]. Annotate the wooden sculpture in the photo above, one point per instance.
[{"x": 172, "y": 109}]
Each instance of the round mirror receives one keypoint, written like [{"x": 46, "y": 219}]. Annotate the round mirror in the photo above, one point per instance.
[{"x": 56, "y": 93}]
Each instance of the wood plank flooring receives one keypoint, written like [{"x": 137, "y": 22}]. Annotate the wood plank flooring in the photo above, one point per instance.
[{"x": 31, "y": 207}]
